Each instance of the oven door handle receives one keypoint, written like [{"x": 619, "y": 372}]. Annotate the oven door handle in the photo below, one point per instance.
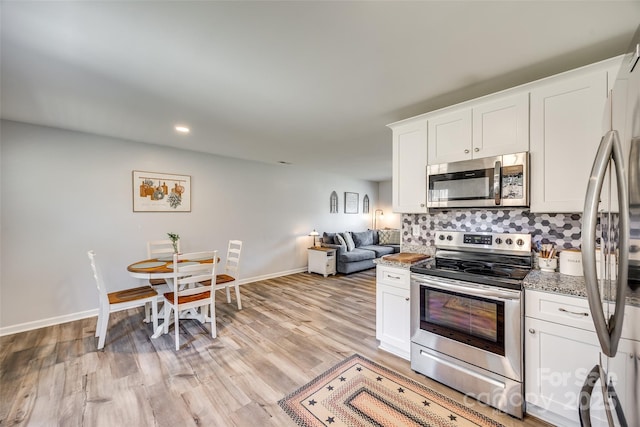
[{"x": 470, "y": 289}]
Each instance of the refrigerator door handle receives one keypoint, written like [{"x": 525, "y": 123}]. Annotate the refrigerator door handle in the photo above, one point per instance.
[
  {"x": 608, "y": 331},
  {"x": 584, "y": 401}
]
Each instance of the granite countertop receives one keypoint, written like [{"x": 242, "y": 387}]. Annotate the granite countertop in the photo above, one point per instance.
[
  {"x": 536, "y": 280},
  {"x": 563, "y": 284}
]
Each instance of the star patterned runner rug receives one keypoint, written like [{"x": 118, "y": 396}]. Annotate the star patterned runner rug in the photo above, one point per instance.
[{"x": 359, "y": 392}]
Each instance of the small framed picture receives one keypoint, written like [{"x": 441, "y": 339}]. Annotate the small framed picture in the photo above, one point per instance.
[
  {"x": 350, "y": 203},
  {"x": 161, "y": 192}
]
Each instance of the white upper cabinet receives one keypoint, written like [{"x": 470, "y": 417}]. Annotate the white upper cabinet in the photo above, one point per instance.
[
  {"x": 490, "y": 128},
  {"x": 409, "y": 189},
  {"x": 450, "y": 137},
  {"x": 566, "y": 127},
  {"x": 501, "y": 126}
]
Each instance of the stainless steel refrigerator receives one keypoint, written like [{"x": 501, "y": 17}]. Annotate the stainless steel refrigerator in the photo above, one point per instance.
[{"x": 611, "y": 231}]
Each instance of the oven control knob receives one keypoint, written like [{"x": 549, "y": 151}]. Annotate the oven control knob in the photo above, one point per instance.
[
  {"x": 498, "y": 241},
  {"x": 509, "y": 241},
  {"x": 519, "y": 242},
  {"x": 441, "y": 237},
  {"x": 449, "y": 237}
]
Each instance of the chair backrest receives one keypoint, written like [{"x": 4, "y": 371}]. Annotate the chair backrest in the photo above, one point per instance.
[
  {"x": 97, "y": 275},
  {"x": 189, "y": 273},
  {"x": 232, "y": 265},
  {"x": 158, "y": 248}
]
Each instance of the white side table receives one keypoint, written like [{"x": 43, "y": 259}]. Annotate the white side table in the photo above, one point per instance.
[{"x": 321, "y": 260}]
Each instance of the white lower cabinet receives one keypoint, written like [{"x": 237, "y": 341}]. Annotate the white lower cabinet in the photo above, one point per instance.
[
  {"x": 561, "y": 348},
  {"x": 392, "y": 310}
]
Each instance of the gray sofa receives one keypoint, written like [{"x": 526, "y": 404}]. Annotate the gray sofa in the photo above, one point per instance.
[{"x": 356, "y": 250}]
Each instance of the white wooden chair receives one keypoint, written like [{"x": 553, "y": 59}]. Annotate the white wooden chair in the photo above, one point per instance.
[
  {"x": 119, "y": 300},
  {"x": 160, "y": 249},
  {"x": 190, "y": 292},
  {"x": 231, "y": 271}
]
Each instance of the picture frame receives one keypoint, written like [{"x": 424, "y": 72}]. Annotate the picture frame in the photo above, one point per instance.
[
  {"x": 350, "y": 203},
  {"x": 160, "y": 192}
]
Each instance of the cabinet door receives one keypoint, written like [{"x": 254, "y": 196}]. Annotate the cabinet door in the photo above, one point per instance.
[
  {"x": 566, "y": 128},
  {"x": 558, "y": 359},
  {"x": 501, "y": 126},
  {"x": 450, "y": 137},
  {"x": 409, "y": 187},
  {"x": 392, "y": 319}
]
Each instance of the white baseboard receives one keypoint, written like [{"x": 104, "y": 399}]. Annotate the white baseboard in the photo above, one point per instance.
[{"x": 43, "y": 323}]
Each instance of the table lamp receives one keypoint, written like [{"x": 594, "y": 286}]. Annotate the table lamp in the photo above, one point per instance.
[{"x": 315, "y": 234}]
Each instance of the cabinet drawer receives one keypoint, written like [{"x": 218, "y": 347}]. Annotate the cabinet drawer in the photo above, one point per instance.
[
  {"x": 569, "y": 311},
  {"x": 398, "y": 277},
  {"x": 574, "y": 311}
]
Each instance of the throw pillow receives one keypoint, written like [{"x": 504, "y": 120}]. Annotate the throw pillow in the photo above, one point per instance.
[
  {"x": 340, "y": 240},
  {"x": 362, "y": 238},
  {"x": 349, "y": 240},
  {"x": 395, "y": 237},
  {"x": 389, "y": 237},
  {"x": 328, "y": 237}
]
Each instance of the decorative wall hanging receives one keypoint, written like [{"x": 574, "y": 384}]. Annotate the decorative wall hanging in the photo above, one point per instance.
[
  {"x": 350, "y": 203},
  {"x": 365, "y": 204},
  {"x": 161, "y": 192},
  {"x": 333, "y": 202}
]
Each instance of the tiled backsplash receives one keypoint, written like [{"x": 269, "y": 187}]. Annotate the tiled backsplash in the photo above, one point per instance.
[{"x": 562, "y": 229}]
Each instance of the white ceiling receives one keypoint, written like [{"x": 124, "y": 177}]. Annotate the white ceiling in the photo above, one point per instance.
[{"x": 306, "y": 82}]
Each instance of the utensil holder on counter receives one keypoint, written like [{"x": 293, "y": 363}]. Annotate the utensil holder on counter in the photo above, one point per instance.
[{"x": 548, "y": 265}]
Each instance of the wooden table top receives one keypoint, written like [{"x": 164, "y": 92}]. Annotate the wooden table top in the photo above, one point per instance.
[{"x": 162, "y": 266}]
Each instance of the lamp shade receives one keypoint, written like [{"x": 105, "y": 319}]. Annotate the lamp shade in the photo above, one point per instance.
[{"x": 314, "y": 233}]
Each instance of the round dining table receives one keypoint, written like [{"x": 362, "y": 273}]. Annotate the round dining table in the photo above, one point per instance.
[{"x": 162, "y": 268}]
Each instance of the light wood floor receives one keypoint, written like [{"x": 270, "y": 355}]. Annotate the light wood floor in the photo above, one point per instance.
[{"x": 290, "y": 330}]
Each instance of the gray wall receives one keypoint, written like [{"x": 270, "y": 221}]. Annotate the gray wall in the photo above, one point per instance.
[{"x": 66, "y": 192}]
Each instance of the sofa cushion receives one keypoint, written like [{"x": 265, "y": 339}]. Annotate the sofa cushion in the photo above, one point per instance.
[
  {"x": 389, "y": 237},
  {"x": 329, "y": 238},
  {"x": 379, "y": 250},
  {"x": 349, "y": 241},
  {"x": 356, "y": 254},
  {"x": 340, "y": 240},
  {"x": 362, "y": 238},
  {"x": 376, "y": 240}
]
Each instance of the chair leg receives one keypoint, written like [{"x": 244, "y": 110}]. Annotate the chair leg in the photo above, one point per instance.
[
  {"x": 238, "y": 295},
  {"x": 154, "y": 314},
  {"x": 103, "y": 327},
  {"x": 147, "y": 312},
  {"x": 214, "y": 328},
  {"x": 167, "y": 317},
  {"x": 226, "y": 288},
  {"x": 99, "y": 322},
  {"x": 176, "y": 315}
]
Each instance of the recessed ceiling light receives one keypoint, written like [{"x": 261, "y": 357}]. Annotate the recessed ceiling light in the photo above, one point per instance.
[{"x": 182, "y": 129}]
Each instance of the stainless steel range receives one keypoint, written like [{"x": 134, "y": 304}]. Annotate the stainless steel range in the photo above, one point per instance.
[{"x": 467, "y": 316}]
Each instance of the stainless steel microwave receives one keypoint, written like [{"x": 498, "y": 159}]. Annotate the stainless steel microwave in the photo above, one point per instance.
[{"x": 487, "y": 182}]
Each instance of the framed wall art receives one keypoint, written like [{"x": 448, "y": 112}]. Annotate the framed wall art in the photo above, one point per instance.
[
  {"x": 350, "y": 203},
  {"x": 333, "y": 202},
  {"x": 161, "y": 192}
]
